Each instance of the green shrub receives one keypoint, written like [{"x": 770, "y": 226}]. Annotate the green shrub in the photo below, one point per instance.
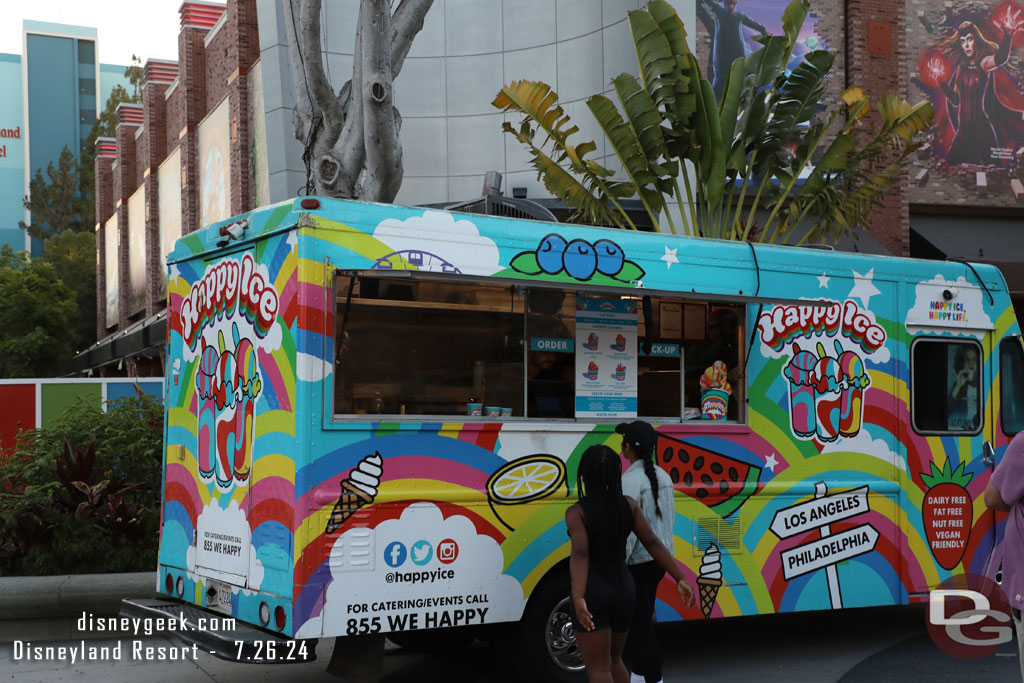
[{"x": 83, "y": 496}]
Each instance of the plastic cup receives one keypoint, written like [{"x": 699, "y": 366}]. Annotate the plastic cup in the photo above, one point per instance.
[
  {"x": 492, "y": 411},
  {"x": 714, "y": 404},
  {"x": 506, "y": 412},
  {"x": 474, "y": 408}
]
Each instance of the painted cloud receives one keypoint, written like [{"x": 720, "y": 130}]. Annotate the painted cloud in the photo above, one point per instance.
[{"x": 458, "y": 242}]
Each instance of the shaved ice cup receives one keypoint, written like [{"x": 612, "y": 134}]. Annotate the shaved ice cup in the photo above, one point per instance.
[
  {"x": 800, "y": 372},
  {"x": 856, "y": 378},
  {"x": 714, "y": 404}
]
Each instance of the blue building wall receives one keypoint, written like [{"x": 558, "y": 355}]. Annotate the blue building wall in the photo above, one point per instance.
[
  {"x": 12, "y": 157},
  {"x": 61, "y": 92}
]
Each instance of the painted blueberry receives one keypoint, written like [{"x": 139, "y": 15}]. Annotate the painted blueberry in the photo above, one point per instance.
[
  {"x": 609, "y": 257},
  {"x": 580, "y": 259},
  {"x": 549, "y": 253}
]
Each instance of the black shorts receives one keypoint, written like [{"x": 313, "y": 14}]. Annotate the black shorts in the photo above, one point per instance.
[{"x": 610, "y": 602}]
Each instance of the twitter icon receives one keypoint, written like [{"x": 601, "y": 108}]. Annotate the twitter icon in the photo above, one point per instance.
[{"x": 421, "y": 552}]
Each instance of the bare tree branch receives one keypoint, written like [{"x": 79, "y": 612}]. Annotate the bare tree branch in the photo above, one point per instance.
[
  {"x": 383, "y": 149},
  {"x": 357, "y": 152},
  {"x": 406, "y": 22}
]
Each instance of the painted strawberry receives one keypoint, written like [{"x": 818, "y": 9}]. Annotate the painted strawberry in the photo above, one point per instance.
[{"x": 947, "y": 510}]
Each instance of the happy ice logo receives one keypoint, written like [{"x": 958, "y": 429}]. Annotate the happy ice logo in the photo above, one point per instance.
[
  {"x": 227, "y": 288},
  {"x": 826, "y": 393},
  {"x": 227, "y": 386}
]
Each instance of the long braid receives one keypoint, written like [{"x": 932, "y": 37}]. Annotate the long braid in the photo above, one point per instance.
[
  {"x": 599, "y": 486},
  {"x": 648, "y": 461}
]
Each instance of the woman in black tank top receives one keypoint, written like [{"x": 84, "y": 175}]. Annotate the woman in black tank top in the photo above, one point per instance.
[{"x": 602, "y": 588}]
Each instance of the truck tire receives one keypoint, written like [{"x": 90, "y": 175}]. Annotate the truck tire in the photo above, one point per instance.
[{"x": 544, "y": 646}]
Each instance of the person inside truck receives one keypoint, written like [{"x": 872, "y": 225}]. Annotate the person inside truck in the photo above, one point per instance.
[{"x": 963, "y": 395}]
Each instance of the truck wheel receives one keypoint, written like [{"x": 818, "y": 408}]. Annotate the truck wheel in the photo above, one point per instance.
[{"x": 546, "y": 643}]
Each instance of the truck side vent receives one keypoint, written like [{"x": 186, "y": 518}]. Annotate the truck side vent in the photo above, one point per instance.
[{"x": 727, "y": 536}]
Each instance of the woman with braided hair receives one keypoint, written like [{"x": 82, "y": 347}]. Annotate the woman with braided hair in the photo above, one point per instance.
[
  {"x": 602, "y": 587},
  {"x": 651, "y": 487}
]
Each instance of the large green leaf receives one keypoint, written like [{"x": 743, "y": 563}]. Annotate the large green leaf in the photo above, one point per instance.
[
  {"x": 707, "y": 129},
  {"x": 727, "y": 110},
  {"x": 792, "y": 23},
  {"x": 587, "y": 201},
  {"x": 669, "y": 23},
  {"x": 539, "y": 102},
  {"x": 627, "y": 148},
  {"x": 657, "y": 63},
  {"x": 645, "y": 120}
]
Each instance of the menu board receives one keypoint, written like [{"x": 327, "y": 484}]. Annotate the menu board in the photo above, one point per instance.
[{"x": 606, "y": 357}]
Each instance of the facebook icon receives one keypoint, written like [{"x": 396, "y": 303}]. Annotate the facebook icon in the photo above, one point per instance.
[{"x": 395, "y": 554}]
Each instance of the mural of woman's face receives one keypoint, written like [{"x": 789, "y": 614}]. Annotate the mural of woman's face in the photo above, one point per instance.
[{"x": 967, "y": 44}]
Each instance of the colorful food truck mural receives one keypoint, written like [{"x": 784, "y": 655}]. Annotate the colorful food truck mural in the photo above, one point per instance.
[{"x": 375, "y": 414}]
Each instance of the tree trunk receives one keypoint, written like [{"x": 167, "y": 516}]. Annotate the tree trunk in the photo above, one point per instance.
[{"x": 351, "y": 140}]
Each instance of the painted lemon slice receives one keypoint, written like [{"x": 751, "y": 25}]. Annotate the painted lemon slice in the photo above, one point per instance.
[{"x": 526, "y": 479}]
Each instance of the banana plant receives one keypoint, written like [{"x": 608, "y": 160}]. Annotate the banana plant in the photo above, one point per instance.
[{"x": 766, "y": 145}]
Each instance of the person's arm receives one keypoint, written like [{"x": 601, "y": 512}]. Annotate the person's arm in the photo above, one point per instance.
[
  {"x": 631, "y": 489},
  {"x": 993, "y": 499},
  {"x": 660, "y": 553},
  {"x": 747, "y": 21},
  {"x": 1006, "y": 486},
  {"x": 579, "y": 564},
  {"x": 713, "y": 7}
]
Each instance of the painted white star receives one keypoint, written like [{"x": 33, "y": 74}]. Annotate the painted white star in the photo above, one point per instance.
[
  {"x": 863, "y": 287},
  {"x": 771, "y": 463},
  {"x": 175, "y": 273},
  {"x": 823, "y": 281},
  {"x": 670, "y": 257}
]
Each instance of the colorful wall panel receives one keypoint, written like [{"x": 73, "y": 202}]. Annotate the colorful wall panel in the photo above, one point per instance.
[
  {"x": 17, "y": 411},
  {"x": 136, "y": 230},
  {"x": 214, "y": 166},
  {"x": 30, "y": 403},
  {"x": 111, "y": 270},
  {"x": 169, "y": 190}
]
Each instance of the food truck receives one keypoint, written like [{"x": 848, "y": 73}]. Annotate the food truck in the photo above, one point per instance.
[{"x": 374, "y": 416}]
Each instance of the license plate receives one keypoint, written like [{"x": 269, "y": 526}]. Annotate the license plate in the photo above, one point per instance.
[{"x": 218, "y": 595}]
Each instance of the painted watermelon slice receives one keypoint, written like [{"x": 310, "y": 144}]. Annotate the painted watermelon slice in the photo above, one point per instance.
[{"x": 720, "y": 482}]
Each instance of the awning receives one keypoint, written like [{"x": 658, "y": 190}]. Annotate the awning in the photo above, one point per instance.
[
  {"x": 995, "y": 241},
  {"x": 143, "y": 338}
]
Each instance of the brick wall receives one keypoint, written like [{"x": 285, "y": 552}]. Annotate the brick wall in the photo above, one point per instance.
[
  {"x": 221, "y": 59},
  {"x": 176, "y": 98},
  {"x": 876, "y": 47},
  {"x": 104, "y": 209},
  {"x": 155, "y": 134}
]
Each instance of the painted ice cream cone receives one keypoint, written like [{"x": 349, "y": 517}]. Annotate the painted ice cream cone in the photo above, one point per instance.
[
  {"x": 357, "y": 491},
  {"x": 708, "y": 592},
  {"x": 709, "y": 581}
]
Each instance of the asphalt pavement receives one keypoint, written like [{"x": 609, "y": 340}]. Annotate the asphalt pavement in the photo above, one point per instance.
[{"x": 888, "y": 644}]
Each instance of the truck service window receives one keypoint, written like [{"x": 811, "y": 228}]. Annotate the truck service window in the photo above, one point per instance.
[
  {"x": 947, "y": 386},
  {"x": 407, "y": 346},
  {"x": 416, "y": 345}
]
